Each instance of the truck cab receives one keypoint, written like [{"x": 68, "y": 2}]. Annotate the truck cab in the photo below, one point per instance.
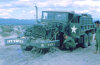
[
  {"x": 78, "y": 26},
  {"x": 66, "y": 19}
]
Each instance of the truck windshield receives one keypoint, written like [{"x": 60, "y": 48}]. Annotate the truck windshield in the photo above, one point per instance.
[
  {"x": 54, "y": 16},
  {"x": 45, "y": 15},
  {"x": 60, "y": 16},
  {"x": 48, "y": 15}
]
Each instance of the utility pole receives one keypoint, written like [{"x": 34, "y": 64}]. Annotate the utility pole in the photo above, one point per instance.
[{"x": 36, "y": 8}]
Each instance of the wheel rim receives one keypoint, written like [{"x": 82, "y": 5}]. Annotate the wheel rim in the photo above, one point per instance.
[
  {"x": 90, "y": 38},
  {"x": 85, "y": 40}
]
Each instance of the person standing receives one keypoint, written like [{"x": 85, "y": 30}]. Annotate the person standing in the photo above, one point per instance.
[{"x": 97, "y": 37}]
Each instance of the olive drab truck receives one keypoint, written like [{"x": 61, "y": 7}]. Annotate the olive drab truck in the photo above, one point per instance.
[{"x": 49, "y": 32}]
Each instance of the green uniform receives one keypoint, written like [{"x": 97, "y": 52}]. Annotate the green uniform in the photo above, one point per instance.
[
  {"x": 69, "y": 43},
  {"x": 98, "y": 38}
]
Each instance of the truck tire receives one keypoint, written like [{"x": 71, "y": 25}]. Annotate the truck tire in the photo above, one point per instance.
[
  {"x": 90, "y": 37},
  {"x": 26, "y": 48},
  {"x": 40, "y": 51},
  {"x": 34, "y": 50},
  {"x": 85, "y": 41}
]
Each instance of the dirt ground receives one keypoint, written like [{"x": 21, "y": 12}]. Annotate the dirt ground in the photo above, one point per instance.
[{"x": 12, "y": 55}]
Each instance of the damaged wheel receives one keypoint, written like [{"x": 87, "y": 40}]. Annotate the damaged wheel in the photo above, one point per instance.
[
  {"x": 85, "y": 41},
  {"x": 26, "y": 48},
  {"x": 90, "y": 37}
]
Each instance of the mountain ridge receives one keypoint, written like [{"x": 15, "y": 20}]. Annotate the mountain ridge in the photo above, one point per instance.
[{"x": 17, "y": 21}]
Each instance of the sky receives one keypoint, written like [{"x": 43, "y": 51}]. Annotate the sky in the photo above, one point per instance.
[{"x": 24, "y": 9}]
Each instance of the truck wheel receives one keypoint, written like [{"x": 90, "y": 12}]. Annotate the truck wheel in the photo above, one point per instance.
[
  {"x": 85, "y": 41},
  {"x": 39, "y": 51},
  {"x": 34, "y": 49},
  {"x": 90, "y": 37},
  {"x": 26, "y": 48},
  {"x": 53, "y": 49},
  {"x": 23, "y": 47}
]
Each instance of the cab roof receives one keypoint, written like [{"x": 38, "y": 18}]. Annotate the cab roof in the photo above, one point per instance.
[{"x": 57, "y": 11}]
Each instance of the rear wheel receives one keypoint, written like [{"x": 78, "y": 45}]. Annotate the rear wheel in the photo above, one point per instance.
[
  {"x": 85, "y": 41},
  {"x": 90, "y": 37},
  {"x": 39, "y": 51},
  {"x": 34, "y": 50},
  {"x": 53, "y": 49}
]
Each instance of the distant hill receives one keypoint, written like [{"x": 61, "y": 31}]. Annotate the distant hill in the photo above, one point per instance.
[{"x": 16, "y": 21}]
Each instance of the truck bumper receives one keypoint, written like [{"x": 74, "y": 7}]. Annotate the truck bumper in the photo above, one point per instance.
[{"x": 34, "y": 43}]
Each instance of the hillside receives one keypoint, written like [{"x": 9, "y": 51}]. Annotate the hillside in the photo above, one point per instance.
[{"x": 16, "y": 21}]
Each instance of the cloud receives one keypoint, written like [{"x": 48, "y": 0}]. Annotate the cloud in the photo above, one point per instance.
[
  {"x": 55, "y": 3},
  {"x": 98, "y": 10},
  {"x": 4, "y": 14},
  {"x": 24, "y": 0},
  {"x": 16, "y": 4},
  {"x": 6, "y": 10},
  {"x": 6, "y": 5},
  {"x": 88, "y": 3},
  {"x": 6, "y": 1},
  {"x": 82, "y": 11},
  {"x": 49, "y": 9},
  {"x": 32, "y": 12},
  {"x": 25, "y": 8},
  {"x": 64, "y": 3}
]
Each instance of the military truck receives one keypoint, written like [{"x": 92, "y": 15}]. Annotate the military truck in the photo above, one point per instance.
[{"x": 49, "y": 32}]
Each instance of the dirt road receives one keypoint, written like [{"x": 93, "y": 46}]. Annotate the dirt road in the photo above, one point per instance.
[{"x": 12, "y": 55}]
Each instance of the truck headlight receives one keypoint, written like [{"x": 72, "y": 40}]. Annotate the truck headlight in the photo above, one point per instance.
[
  {"x": 23, "y": 37},
  {"x": 42, "y": 45}
]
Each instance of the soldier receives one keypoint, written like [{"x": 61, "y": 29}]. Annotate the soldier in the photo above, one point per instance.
[
  {"x": 69, "y": 43},
  {"x": 97, "y": 37}
]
